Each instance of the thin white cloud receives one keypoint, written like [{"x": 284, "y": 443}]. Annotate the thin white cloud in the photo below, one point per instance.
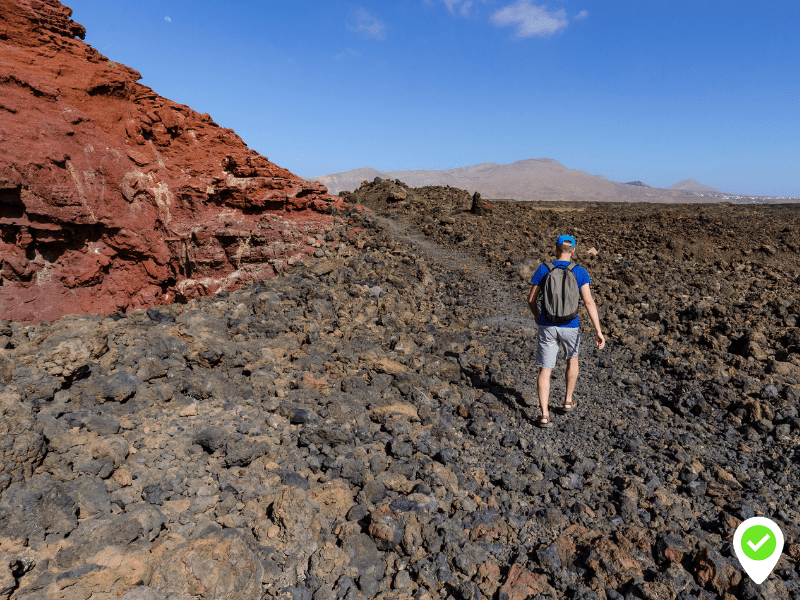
[
  {"x": 168, "y": 20},
  {"x": 582, "y": 15},
  {"x": 369, "y": 25},
  {"x": 349, "y": 53},
  {"x": 459, "y": 7},
  {"x": 530, "y": 20}
]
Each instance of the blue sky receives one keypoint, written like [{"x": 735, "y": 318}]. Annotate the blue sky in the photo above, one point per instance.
[{"x": 632, "y": 90}]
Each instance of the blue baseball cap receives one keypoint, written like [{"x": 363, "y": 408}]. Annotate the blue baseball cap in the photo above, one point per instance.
[{"x": 566, "y": 238}]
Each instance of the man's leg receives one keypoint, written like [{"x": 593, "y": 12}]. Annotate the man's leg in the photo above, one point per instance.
[
  {"x": 571, "y": 339},
  {"x": 544, "y": 390},
  {"x": 546, "y": 352},
  {"x": 572, "y": 378}
]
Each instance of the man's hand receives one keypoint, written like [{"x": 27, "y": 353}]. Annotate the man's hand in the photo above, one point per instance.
[{"x": 600, "y": 340}]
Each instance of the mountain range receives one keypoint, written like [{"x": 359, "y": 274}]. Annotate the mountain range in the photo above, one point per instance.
[{"x": 530, "y": 179}]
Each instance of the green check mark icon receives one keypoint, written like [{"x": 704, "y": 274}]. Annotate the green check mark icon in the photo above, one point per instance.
[{"x": 758, "y": 543}]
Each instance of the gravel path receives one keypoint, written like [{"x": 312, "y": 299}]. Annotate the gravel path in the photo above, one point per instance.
[{"x": 501, "y": 318}]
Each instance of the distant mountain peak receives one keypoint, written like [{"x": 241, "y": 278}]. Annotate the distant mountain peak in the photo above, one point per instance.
[
  {"x": 539, "y": 161},
  {"x": 690, "y": 185}
]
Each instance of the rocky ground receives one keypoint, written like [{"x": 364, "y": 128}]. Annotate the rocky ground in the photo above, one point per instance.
[{"x": 364, "y": 426}]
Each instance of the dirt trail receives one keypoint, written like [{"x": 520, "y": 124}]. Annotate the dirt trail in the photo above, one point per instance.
[
  {"x": 502, "y": 319},
  {"x": 512, "y": 302}
]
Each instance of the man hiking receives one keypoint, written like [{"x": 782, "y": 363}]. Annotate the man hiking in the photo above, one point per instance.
[{"x": 559, "y": 285}]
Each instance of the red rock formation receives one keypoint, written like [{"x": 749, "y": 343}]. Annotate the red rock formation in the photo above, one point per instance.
[{"x": 114, "y": 198}]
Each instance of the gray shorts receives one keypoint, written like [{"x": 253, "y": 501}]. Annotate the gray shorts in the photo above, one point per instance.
[{"x": 548, "y": 341}]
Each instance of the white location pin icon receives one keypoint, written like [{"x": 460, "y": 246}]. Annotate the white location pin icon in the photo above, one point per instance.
[{"x": 758, "y": 543}]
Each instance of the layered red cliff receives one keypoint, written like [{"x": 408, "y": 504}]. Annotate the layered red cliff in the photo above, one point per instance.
[{"x": 114, "y": 198}]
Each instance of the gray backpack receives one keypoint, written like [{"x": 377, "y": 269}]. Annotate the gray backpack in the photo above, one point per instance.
[{"x": 560, "y": 294}]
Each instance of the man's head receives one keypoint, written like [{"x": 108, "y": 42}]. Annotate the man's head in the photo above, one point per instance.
[{"x": 565, "y": 244}]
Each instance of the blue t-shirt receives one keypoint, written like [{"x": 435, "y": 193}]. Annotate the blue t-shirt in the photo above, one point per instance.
[{"x": 580, "y": 274}]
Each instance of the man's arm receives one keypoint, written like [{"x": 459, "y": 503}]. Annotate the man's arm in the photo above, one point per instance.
[
  {"x": 591, "y": 308},
  {"x": 533, "y": 303}
]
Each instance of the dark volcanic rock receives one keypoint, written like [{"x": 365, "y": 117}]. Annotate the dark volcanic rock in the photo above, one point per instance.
[
  {"x": 212, "y": 439},
  {"x": 22, "y": 443},
  {"x": 31, "y": 511},
  {"x": 386, "y": 528},
  {"x": 366, "y": 559},
  {"x": 213, "y": 566},
  {"x": 479, "y": 207}
]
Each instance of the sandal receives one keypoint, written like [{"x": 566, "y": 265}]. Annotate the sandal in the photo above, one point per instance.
[
  {"x": 569, "y": 406},
  {"x": 545, "y": 422}
]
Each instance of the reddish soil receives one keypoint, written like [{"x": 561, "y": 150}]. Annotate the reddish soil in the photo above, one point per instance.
[{"x": 114, "y": 198}]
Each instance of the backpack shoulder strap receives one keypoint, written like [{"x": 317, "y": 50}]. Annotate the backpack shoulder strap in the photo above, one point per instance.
[
  {"x": 550, "y": 266},
  {"x": 571, "y": 266}
]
